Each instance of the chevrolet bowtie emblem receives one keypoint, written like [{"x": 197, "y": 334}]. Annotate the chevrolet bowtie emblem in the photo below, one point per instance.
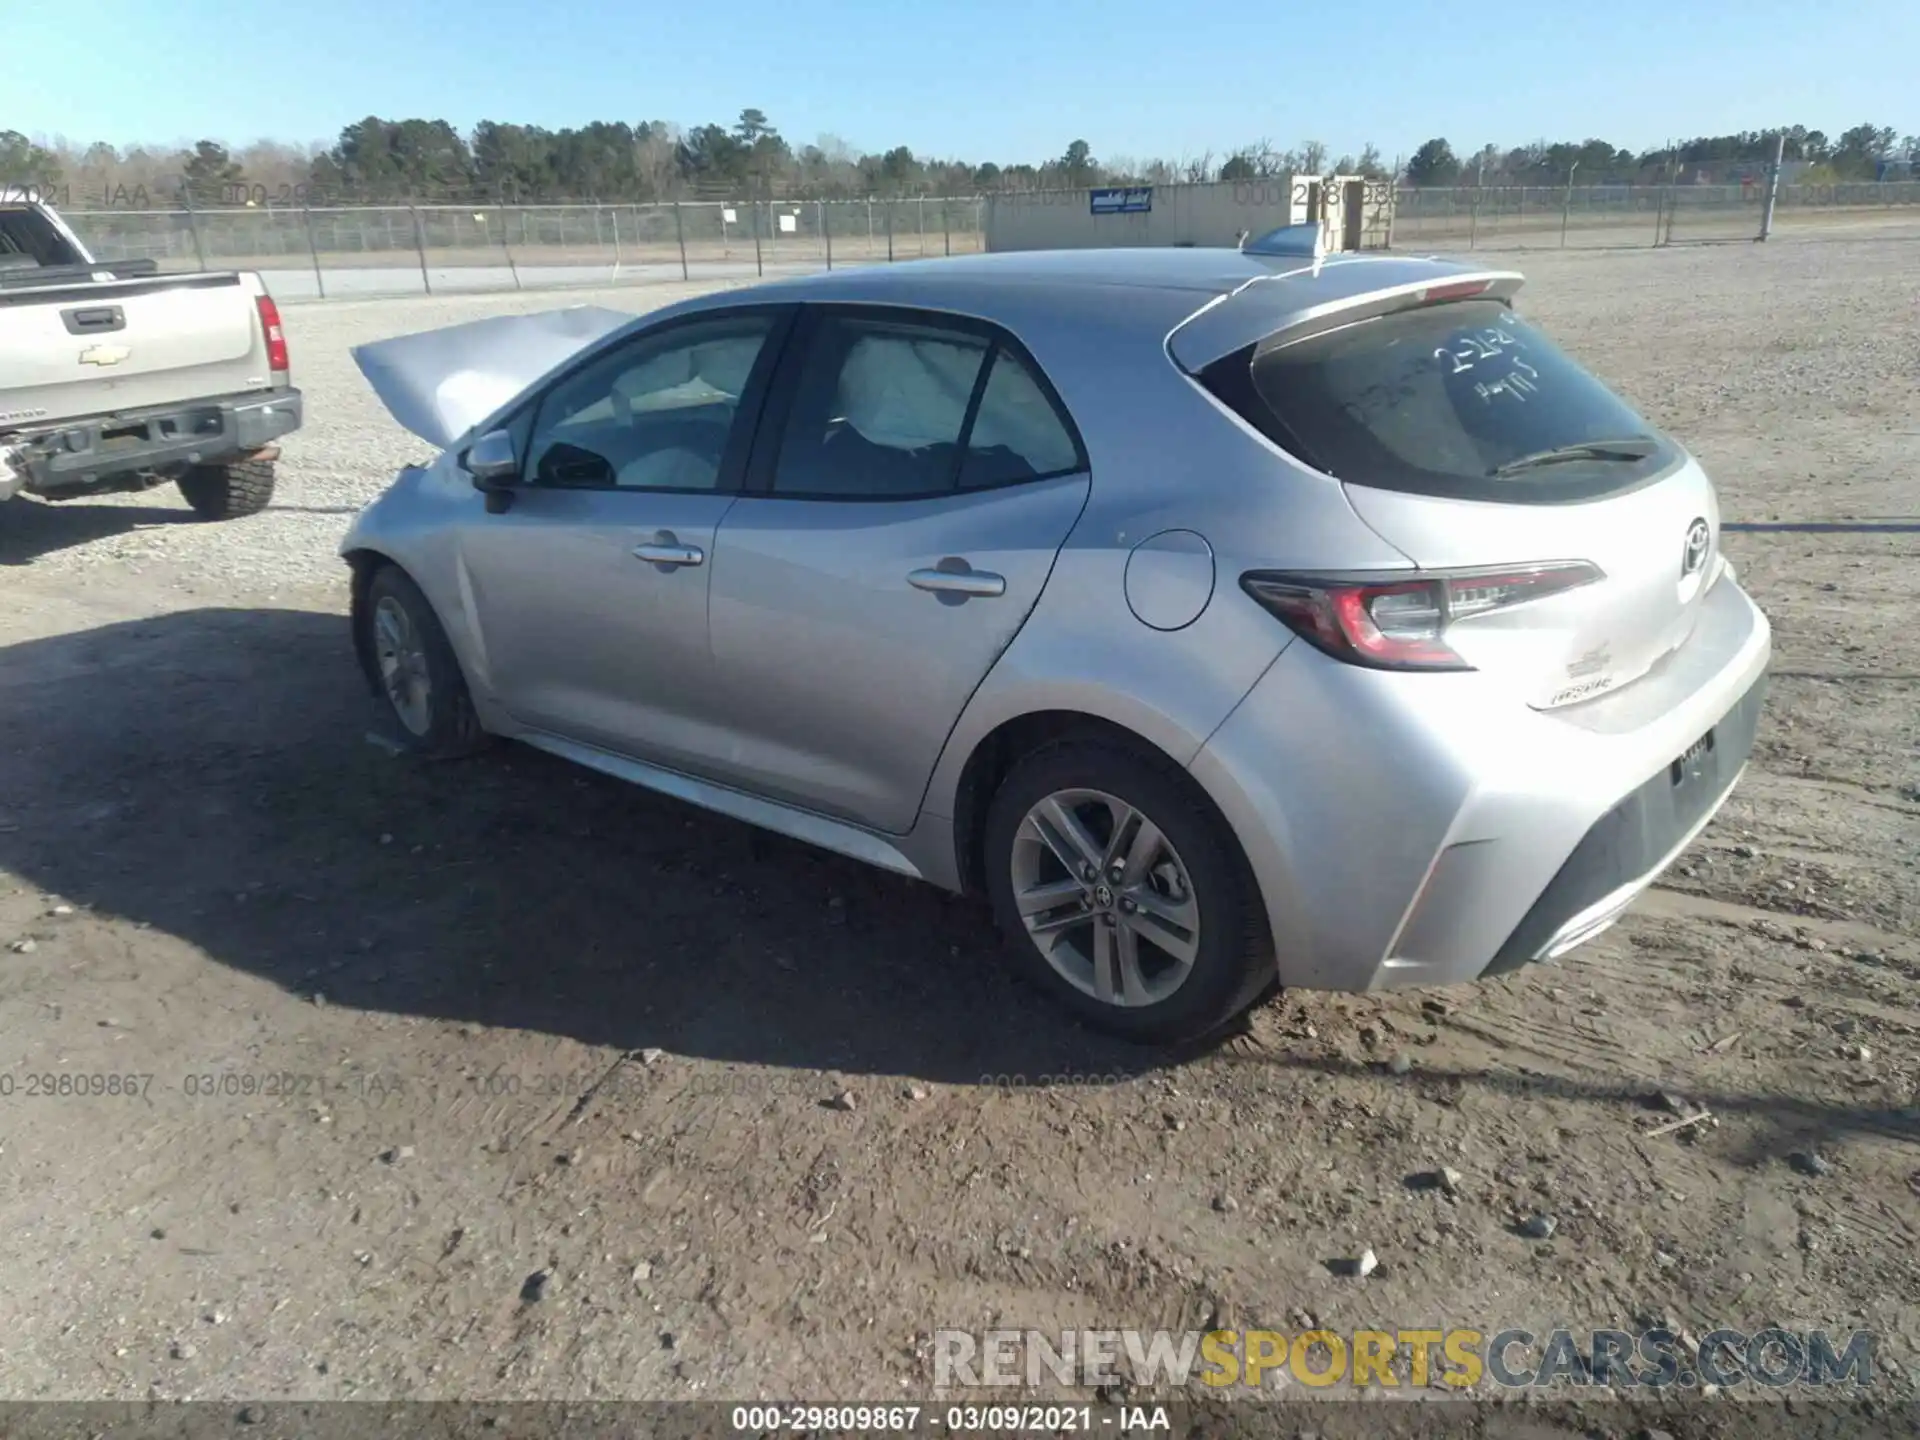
[{"x": 104, "y": 354}]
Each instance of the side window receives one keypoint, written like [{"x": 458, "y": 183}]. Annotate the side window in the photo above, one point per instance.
[
  {"x": 1017, "y": 434},
  {"x": 655, "y": 414},
  {"x": 880, "y": 410}
]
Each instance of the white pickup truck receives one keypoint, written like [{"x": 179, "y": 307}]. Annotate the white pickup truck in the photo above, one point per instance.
[{"x": 114, "y": 377}]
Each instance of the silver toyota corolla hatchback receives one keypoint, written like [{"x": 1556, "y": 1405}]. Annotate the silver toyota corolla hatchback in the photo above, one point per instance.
[{"x": 1226, "y": 620}]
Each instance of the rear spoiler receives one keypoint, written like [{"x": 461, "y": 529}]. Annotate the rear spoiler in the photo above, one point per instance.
[{"x": 1323, "y": 293}]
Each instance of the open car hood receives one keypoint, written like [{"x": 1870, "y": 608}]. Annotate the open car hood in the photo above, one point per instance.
[{"x": 441, "y": 383}]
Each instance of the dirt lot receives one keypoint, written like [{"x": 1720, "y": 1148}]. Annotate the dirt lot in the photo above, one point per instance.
[{"x": 416, "y": 1037}]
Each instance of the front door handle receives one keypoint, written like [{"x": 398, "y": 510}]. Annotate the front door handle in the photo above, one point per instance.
[
  {"x": 666, "y": 551},
  {"x": 943, "y": 581}
]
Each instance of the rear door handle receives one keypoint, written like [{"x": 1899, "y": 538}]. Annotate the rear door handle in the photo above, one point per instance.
[
  {"x": 958, "y": 582},
  {"x": 666, "y": 551}
]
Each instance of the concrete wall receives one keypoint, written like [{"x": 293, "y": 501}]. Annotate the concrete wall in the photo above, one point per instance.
[
  {"x": 1181, "y": 215},
  {"x": 1206, "y": 215}
]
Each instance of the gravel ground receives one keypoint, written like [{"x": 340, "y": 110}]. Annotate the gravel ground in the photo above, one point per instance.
[{"x": 540, "y": 1025}]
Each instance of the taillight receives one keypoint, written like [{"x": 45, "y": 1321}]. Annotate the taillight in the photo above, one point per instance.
[
  {"x": 1401, "y": 624},
  {"x": 276, "y": 337}
]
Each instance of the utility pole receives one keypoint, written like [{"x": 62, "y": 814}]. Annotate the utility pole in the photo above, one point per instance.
[
  {"x": 1773, "y": 183},
  {"x": 759, "y": 267}
]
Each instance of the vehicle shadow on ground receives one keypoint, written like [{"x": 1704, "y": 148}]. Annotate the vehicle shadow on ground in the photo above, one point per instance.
[
  {"x": 32, "y": 528},
  {"x": 209, "y": 773}
]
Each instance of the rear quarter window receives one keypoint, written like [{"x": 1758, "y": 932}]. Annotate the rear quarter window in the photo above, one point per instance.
[
  {"x": 28, "y": 238},
  {"x": 1444, "y": 400}
]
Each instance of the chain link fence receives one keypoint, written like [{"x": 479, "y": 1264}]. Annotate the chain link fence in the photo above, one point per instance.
[
  {"x": 368, "y": 250},
  {"x": 342, "y": 252},
  {"x": 1612, "y": 216}
]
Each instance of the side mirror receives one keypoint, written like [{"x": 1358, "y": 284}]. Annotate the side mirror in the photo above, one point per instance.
[{"x": 494, "y": 467}]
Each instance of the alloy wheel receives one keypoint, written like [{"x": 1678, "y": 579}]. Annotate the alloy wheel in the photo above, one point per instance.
[
  {"x": 403, "y": 665},
  {"x": 1105, "y": 897}
]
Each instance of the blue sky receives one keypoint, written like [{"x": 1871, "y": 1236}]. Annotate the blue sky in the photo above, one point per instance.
[{"x": 1006, "y": 80}]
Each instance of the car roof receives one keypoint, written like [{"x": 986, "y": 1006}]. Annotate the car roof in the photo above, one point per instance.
[
  {"x": 1213, "y": 270},
  {"x": 1158, "y": 288}
]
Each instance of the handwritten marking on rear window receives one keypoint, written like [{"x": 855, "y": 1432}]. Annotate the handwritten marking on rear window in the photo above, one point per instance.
[
  {"x": 1471, "y": 347},
  {"x": 1483, "y": 354},
  {"x": 1519, "y": 382}
]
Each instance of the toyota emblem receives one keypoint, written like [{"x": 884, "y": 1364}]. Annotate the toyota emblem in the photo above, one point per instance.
[{"x": 1695, "y": 556}]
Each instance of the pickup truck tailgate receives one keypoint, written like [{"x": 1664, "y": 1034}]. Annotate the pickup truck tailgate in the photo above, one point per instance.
[{"x": 78, "y": 350}]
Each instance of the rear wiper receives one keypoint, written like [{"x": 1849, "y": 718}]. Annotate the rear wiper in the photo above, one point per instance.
[{"x": 1628, "y": 448}]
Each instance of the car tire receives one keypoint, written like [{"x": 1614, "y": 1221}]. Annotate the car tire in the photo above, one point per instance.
[
  {"x": 230, "y": 491},
  {"x": 416, "y": 673},
  {"x": 1220, "y": 966}
]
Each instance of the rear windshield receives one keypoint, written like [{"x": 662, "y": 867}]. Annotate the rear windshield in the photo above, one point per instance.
[
  {"x": 1463, "y": 399},
  {"x": 28, "y": 239}
]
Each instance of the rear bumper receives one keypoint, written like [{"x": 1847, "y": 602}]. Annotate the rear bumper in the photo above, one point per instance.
[
  {"x": 1426, "y": 829},
  {"x": 101, "y": 448},
  {"x": 1630, "y": 845}
]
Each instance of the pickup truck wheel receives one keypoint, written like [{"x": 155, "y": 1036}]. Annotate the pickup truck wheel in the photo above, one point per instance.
[
  {"x": 227, "y": 492},
  {"x": 417, "y": 672}
]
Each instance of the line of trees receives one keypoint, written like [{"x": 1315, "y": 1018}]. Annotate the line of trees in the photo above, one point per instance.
[
  {"x": 377, "y": 159},
  {"x": 1861, "y": 153}
]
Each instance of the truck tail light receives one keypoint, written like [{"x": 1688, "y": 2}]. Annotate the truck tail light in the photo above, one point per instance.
[
  {"x": 1401, "y": 624},
  {"x": 276, "y": 337}
]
